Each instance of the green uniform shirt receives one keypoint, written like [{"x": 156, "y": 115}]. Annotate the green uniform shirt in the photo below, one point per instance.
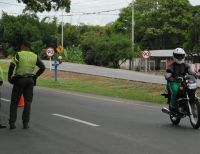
[{"x": 1, "y": 74}]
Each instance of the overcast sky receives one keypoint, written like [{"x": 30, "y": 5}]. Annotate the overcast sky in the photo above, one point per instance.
[{"x": 78, "y": 7}]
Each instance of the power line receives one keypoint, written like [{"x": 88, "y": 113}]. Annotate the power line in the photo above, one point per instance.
[
  {"x": 74, "y": 9},
  {"x": 113, "y": 10},
  {"x": 104, "y": 12},
  {"x": 12, "y": 4},
  {"x": 106, "y": 3},
  {"x": 90, "y": 14},
  {"x": 96, "y": 6},
  {"x": 71, "y": 4},
  {"x": 87, "y": 2}
]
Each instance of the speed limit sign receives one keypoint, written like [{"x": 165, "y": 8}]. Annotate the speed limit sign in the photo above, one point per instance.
[
  {"x": 146, "y": 54},
  {"x": 50, "y": 52}
]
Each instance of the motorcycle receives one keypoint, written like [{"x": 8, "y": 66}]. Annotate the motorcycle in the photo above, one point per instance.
[{"x": 187, "y": 102}]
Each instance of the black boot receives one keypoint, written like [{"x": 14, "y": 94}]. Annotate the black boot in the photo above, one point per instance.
[
  {"x": 25, "y": 126},
  {"x": 173, "y": 109},
  {"x": 12, "y": 126},
  {"x": 2, "y": 126}
]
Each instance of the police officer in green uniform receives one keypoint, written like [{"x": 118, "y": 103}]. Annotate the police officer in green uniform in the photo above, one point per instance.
[
  {"x": 1, "y": 83},
  {"x": 21, "y": 74}
]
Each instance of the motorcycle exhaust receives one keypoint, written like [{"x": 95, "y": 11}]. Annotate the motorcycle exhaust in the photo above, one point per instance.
[{"x": 165, "y": 110}]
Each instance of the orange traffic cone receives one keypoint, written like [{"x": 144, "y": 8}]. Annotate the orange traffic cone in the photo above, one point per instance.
[{"x": 21, "y": 101}]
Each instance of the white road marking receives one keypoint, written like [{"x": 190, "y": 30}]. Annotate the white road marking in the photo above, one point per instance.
[
  {"x": 6, "y": 100},
  {"x": 77, "y": 120}
]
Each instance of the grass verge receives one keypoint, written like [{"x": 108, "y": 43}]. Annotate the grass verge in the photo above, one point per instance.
[{"x": 100, "y": 85}]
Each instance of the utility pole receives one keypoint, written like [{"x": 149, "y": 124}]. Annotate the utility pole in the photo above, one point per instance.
[
  {"x": 56, "y": 54},
  {"x": 132, "y": 42},
  {"x": 62, "y": 29},
  {"x": 133, "y": 23}
]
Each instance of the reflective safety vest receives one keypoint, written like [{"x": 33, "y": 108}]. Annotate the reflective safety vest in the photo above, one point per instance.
[
  {"x": 26, "y": 64},
  {"x": 1, "y": 74}
]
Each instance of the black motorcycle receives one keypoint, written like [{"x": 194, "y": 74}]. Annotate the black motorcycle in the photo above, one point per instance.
[{"x": 187, "y": 102}]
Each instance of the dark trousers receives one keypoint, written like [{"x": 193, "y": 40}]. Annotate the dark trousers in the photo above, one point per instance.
[{"x": 22, "y": 85}]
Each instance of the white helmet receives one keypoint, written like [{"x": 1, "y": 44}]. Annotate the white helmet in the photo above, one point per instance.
[{"x": 179, "y": 55}]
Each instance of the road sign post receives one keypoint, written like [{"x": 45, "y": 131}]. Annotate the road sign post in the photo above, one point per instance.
[
  {"x": 50, "y": 53},
  {"x": 146, "y": 54},
  {"x": 57, "y": 59},
  {"x": 55, "y": 68}
]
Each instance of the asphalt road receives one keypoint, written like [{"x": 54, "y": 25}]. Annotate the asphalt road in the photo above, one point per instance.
[
  {"x": 109, "y": 72},
  {"x": 74, "y": 123}
]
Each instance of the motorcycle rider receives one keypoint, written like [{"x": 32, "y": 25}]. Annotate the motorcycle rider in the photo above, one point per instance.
[{"x": 177, "y": 69}]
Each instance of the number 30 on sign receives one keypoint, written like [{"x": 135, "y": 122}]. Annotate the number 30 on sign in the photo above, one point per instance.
[
  {"x": 50, "y": 52},
  {"x": 146, "y": 54}
]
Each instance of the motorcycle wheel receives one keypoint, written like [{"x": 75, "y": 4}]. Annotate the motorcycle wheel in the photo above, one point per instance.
[
  {"x": 195, "y": 116},
  {"x": 175, "y": 120}
]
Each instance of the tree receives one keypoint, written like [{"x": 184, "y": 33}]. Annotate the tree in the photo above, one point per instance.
[
  {"x": 11, "y": 30},
  {"x": 159, "y": 24},
  {"x": 89, "y": 46},
  {"x": 71, "y": 35},
  {"x": 123, "y": 23},
  {"x": 193, "y": 43},
  {"x": 27, "y": 27},
  {"x": 48, "y": 32},
  {"x": 105, "y": 50},
  {"x": 38, "y": 48},
  {"x": 16, "y": 29},
  {"x": 46, "y": 5},
  {"x": 119, "y": 49},
  {"x": 171, "y": 21}
]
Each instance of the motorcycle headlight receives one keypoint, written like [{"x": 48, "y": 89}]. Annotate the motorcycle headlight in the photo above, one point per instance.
[{"x": 192, "y": 85}]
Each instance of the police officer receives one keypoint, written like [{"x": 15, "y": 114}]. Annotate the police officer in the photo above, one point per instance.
[
  {"x": 1, "y": 83},
  {"x": 21, "y": 74}
]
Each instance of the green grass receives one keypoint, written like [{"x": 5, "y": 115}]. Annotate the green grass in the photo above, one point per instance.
[{"x": 102, "y": 86}]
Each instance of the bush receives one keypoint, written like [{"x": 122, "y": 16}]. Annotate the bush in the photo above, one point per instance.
[{"x": 74, "y": 55}]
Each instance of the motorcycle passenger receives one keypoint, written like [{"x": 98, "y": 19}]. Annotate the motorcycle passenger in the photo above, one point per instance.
[{"x": 177, "y": 69}]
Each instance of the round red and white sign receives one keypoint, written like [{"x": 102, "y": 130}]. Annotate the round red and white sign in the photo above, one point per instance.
[
  {"x": 50, "y": 52},
  {"x": 146, "y": 54}
]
